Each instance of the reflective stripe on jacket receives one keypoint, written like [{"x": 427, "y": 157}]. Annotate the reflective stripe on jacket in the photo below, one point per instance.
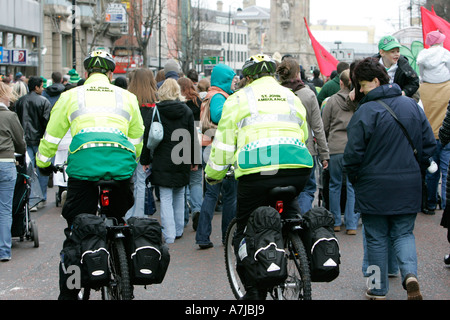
[
  {"x": 263, "y": 128},
  {"x": 106, "y": 126}
]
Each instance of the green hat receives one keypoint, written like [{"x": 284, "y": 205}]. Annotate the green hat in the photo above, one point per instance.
[
  {"x": 44, "y": 82},
  {"x": 74, "y": 76},
  {"x": 388, "y": 43}
]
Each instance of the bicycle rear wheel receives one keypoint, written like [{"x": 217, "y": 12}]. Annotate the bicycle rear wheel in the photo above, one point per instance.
[
  {"x": 120, "y": 287},
  {"x": 298, "y": 283},
  {"x": 230, "y": 262}
]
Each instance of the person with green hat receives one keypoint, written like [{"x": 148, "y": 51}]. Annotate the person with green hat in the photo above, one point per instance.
[
  {"x": 74, "y": 76},
  {"x": 397, "y": 66},
  {"x": 44, "y": 82}
]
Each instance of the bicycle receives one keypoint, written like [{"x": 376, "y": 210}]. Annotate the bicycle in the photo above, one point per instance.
[
  {"x": 297, "y": 286},
  {"x": 119, "y": 286}
]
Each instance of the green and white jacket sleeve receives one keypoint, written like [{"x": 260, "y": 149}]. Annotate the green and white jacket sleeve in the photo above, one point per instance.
[
  {"x": 224, "y": 143},
  {"x": 55, "y": 131}
]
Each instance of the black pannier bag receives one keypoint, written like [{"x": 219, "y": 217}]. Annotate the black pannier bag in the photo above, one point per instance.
[
  {"x": 86, "y": 248},
  {"x": 321, "y": 244},
  {"x": 150, "y": 257},
  {"x": 261, "y": 251}
]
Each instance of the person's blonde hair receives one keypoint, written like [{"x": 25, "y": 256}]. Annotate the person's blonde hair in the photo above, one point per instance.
[
  {"x": 345, "y": 78},
  {"x": 19, "y": 89},
  {"x": 7, "y": 92},
  {"x": 143, "y": 85},
  {"x": 170, "y": 90},
  {"x": 203, "y": 85}
]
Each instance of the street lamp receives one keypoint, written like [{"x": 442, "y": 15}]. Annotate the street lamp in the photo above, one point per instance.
[{"x": 74, "y": 50}]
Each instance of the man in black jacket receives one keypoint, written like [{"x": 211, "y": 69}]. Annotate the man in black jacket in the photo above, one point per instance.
[
  {"x": 33, "y": 111},
  {"x": 53, "y": 92}
]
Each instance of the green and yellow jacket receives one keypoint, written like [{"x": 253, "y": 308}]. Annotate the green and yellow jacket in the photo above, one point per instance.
[
  {"x": 106, "y": 127},
  {"x": 263, "y": 128}
]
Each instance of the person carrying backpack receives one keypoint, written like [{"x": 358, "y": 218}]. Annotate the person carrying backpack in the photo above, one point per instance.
[{"x": 262, "y": 132}]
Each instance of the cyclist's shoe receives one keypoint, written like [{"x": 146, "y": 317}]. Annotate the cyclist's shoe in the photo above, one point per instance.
[{"x": 255, "y": 294}]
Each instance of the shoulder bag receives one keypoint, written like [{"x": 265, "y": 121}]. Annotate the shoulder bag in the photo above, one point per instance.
[{"x": 156, "y": 132}]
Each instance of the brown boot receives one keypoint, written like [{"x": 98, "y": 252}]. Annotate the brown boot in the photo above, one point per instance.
[{"x": 412, "y": 288}]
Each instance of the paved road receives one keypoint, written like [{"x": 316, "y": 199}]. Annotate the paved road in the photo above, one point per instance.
[{"x": 195, "y": 274}]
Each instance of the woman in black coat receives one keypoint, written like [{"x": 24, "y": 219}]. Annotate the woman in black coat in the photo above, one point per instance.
[
  {"x": 444, "y": 137},
  {"x": 173, "y": 158}
]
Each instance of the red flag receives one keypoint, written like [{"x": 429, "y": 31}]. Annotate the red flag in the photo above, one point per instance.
[
  {"x": 327, "y": 63},
  {"x": 432, "y": 22}
]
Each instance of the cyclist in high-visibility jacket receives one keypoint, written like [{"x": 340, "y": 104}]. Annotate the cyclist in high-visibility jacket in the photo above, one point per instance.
[
  {"x": 107, "y": 131},
  {"x": 262, "y": 133}
]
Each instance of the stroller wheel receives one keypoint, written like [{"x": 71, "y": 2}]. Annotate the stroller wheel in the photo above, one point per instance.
[{"x": 34, "y": 233}]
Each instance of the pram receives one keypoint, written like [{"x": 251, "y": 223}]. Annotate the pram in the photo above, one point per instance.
[{"x": 22, "y": 225}]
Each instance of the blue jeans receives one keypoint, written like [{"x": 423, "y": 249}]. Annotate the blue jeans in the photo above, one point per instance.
[
  {"x": 229, "y": 199},
  {"x": 381, "y": 231},
  {"x": 392, "y": 259},
  {"x": 172, "y": 212},
  {"x": 441, "y": 156},
  {"x": 306, "y": 197},
  {"x": 350, "y": 217},
  {"x": 138, "y": 179},
  {"x": 43, "y": 180},
  {"x": 228, "y": 187},
  {"x": 194, "y": 193},
  {"x": 8, "y": 176}
]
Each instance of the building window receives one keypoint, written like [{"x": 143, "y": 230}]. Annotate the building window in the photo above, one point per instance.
[
  {"x": 18, "y": 41},
  {"x": 10, "y": 40}
]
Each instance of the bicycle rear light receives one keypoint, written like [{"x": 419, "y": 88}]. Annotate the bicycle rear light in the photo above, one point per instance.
[
  {"x": 279, "y": 206},
  {"x": 105, "y": 198}
]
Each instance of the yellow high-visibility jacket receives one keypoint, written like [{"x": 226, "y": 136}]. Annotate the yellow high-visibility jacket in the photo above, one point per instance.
[
  {"x": 106, "y": 127},
  {"x": 263, "y": 128}
]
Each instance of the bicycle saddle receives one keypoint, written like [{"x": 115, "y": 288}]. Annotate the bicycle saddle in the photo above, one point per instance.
[
  {"x": 286, "y": 193},
  {"x": 107, "y": 183}
]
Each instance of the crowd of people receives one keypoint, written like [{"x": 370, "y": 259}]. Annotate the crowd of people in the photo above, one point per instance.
[{"x": 368, "y": 165}]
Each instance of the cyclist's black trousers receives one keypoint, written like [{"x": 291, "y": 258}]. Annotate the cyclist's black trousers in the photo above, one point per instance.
[
  {"x": 253, "y": 191},
  {"x": 82, "y": 197}
]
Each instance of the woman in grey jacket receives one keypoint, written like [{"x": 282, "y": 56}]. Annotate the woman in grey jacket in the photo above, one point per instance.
[
  {"x": 336, "y": 115},
  {"x": 289, "y": 73},
  {"x": 11, "y": 141}
]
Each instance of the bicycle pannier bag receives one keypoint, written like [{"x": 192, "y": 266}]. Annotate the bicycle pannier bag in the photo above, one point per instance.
[
  {"x": 262, "y": 251},
  {"x": 321, "y": 245},
  {"x": 88, "y": 236},
  {"x": 149, "y": 256},
  {"x": 156, "y": 132}
]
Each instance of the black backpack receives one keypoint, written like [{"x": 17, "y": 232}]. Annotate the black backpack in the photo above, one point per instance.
[
  {"x": 262, "y": 250},
  {"x": 149, "y": 256},
  {"x": 86, "y": 248},
  {"x": 321, "y": 244}
]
